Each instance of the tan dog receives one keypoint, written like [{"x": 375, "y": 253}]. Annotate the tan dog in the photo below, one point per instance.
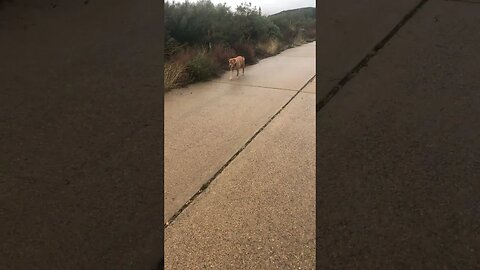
[{"x": 236, "y": 63}]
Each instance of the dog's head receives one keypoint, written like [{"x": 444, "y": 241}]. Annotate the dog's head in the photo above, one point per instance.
[{"x": 232, "y": 62}]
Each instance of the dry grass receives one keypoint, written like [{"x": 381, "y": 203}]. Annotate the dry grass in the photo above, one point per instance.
[
  {"x": 269, "y": 47},
  {"x": 185, "y": 55},
  {"x": 299, "y": 40},
  {"x": 174, "y": 75}
]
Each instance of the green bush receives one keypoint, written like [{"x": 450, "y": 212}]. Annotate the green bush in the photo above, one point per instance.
[
  {"x": 203, "y": 22},
  {"x": 202, "y": 67}
]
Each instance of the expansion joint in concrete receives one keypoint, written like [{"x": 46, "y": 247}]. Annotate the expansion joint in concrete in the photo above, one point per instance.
[
  {"x": 365, "y": 60},
  {"x": 211, "y": 179}
]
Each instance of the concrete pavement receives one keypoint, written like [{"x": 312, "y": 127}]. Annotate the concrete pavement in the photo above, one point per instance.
[
  {"x": 80, "y": 107},
  {"x": 207, "y": 123},
  {"x": 399, "y": 146},
  {"x": 259, "y": 212},
  {"x": 204, "y": 129},
  {"x": 350, "y": 29}
]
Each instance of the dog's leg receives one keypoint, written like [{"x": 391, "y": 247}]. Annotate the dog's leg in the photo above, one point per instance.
[
  {"x": 238, "y": 71},
  {"x": 231, "y": 74},
  {"x": 243, "y": 67}
]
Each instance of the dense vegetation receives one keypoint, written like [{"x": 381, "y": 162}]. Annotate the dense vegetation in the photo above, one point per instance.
[{"x": 201, "y": 36}]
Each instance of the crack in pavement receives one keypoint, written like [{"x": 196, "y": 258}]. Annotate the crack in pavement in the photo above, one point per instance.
[
  {"x": 249, "y": 85},
  {"x": 364, "y": 62},
  {"x": 209, "y": 181}
]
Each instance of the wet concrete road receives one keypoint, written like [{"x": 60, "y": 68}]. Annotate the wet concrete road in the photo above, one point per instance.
[
  {"x": 349, "y": 29},
  {"x": 80, "y": 107},
  {"x": 259, "y": 213},
  {"x": 399, "y": 145},
  {"x": 207, "y": 123}
]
